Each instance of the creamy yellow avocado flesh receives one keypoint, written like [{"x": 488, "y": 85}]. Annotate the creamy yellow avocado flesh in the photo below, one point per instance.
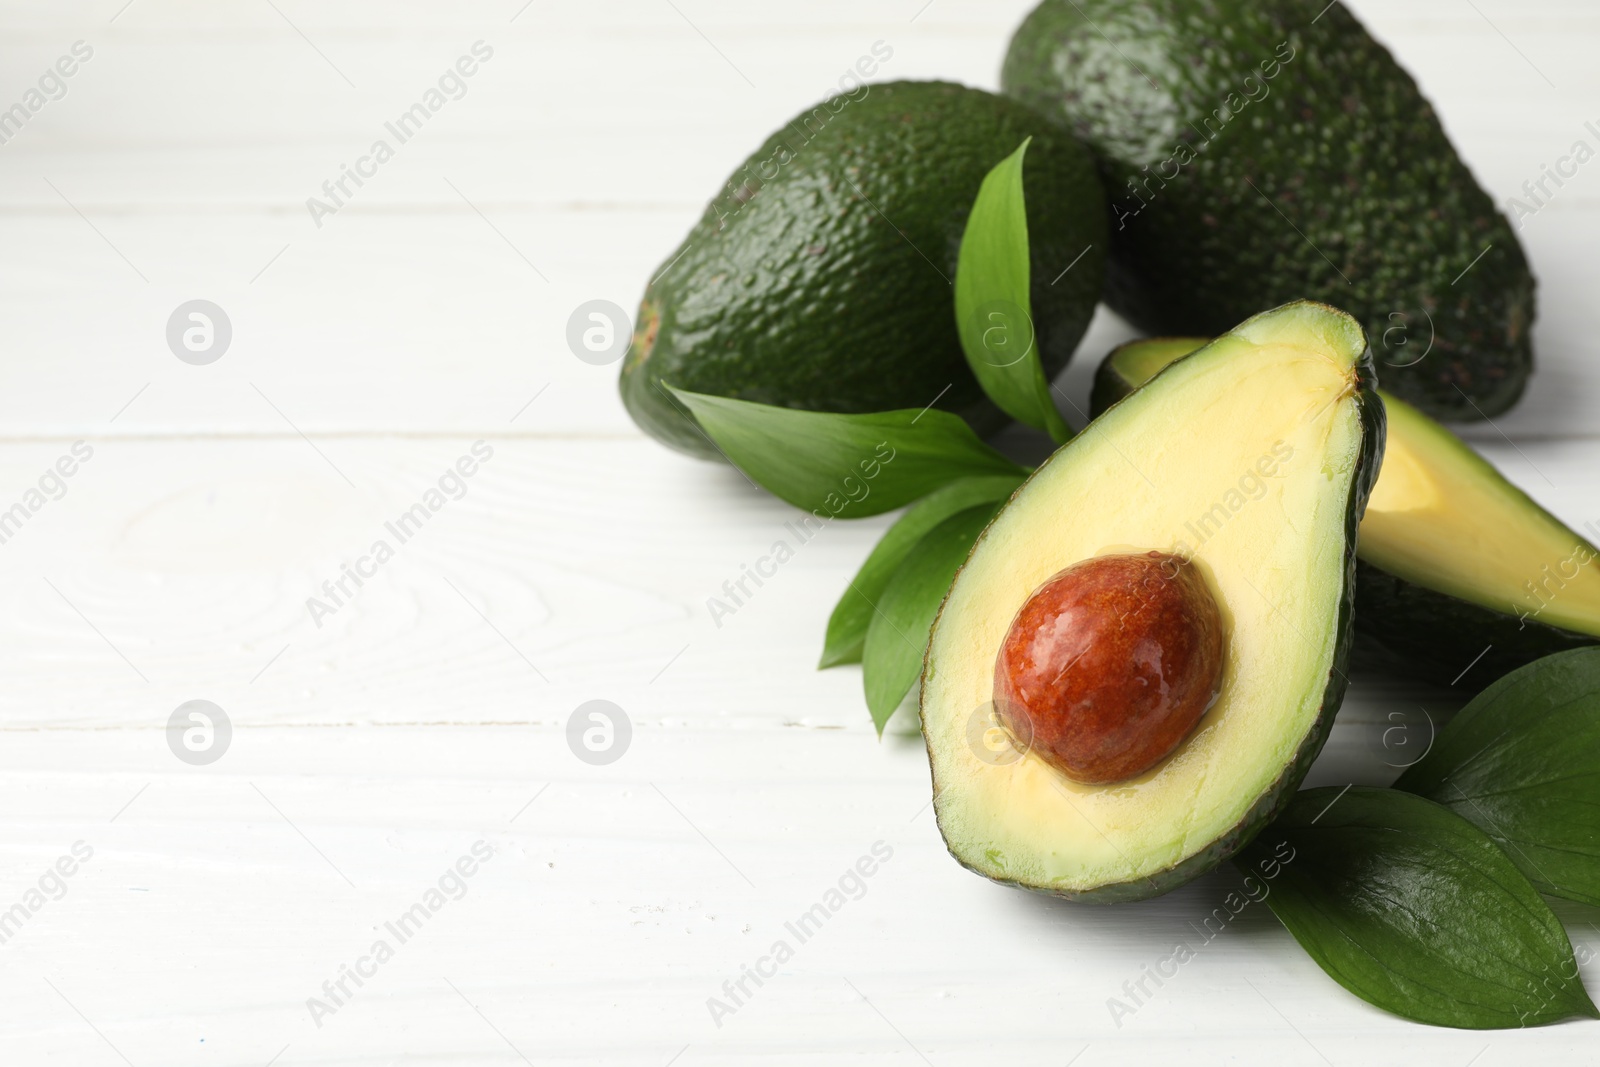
[
  {"x": 1438, "y": 518},
  {"x": 1250, "y": 477},
  {"x": 1439, "y": 505}
]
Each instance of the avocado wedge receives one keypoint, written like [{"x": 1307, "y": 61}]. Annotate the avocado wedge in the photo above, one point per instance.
[
  {"x": 1284, "y": 401},
  {"x": 1258, "y": 151},
  {"x": 1457, "y": 568},
  {"x": 820, "y": 276}
]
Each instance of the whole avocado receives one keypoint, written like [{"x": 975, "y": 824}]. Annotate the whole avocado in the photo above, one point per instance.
[
  {"x": 821, "y": 276},
  {"x": 1259, "y": 151}
]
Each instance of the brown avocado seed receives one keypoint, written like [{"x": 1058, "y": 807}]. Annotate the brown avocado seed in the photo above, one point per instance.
[{"x": 1110, "y": 664}]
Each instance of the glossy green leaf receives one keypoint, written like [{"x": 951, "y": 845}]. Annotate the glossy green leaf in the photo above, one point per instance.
[
  {"x": 897, "y": 636},
  {"x": 847, "y": 626},
  {"x": 845, "y": 466},
  {"x": 1522, "y": 762},
  {"x": 993, "y": 308},
  {"x": 1412, "y": 908}
]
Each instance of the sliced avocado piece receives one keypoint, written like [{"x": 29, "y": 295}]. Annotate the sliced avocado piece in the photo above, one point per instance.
[
  {"x": 820, "y": 276},
  {"x": 1305, "y": 424},
  {"x": 1258, "y": 151},
  {"x": 1131, "y": 365},
  {"x": 1457, "y": 567}
]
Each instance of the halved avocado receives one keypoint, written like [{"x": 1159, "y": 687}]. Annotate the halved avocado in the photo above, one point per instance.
[
  {"x": 1283, "y": 402},
  {"x": 1458, "y": 568}
]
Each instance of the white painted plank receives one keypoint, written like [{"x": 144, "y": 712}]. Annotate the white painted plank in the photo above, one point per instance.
[
  {"x": 606, "y": 919},
  {"x": 441, "y": 322},
  {"x": 409, "y": 726},
  {"x": 409, "y": 310},
  {"x": 593, "y": 561}
]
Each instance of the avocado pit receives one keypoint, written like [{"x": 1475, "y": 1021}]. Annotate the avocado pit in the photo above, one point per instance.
[{"x": 1110, "y": 664}]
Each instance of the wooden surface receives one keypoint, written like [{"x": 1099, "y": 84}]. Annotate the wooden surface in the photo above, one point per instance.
[{"x": 429, "y": 712}]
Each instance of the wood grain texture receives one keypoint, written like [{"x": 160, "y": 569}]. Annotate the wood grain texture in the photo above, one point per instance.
[{"x": 374, "y": 750}]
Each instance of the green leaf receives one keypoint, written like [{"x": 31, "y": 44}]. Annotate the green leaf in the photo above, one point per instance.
[
  {"x": 1522, "y": 763},
  {"x": 897, "y": 637},
  {"x": 845, "y": 466},
  {"x": 1412, "y": 908},
  {"x": 847, "y": 626},
  {"x": 993, "y": 310}
]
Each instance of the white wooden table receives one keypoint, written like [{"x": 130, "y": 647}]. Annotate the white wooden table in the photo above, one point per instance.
[{"x": 428, "y": 713}]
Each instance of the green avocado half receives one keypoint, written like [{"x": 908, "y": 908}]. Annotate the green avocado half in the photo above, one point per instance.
[
  {"x": 1460, "y": 577},
  {"x": 1284, "y": 401},
  {"x": 1258, "y": 151},
  {"x": 820, "y": 277}
]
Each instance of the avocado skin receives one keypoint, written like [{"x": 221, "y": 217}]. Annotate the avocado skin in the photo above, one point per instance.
[
  {"x": 1109, "y": 386},
  {"x": 799, "y": 291},
  {"x": 1112, "y": 383},
  {"x": 1410, "y": 631},
  {"x": 1374, "y": 425},
  {"x": 1345, "y": 146},
  {"x": 1404, "y": 629}
]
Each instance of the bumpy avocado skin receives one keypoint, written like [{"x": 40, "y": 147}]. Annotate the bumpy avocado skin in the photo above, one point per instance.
[
  {"x": 820, "y": 277},
  {"x": 1331, "y": 180},
  {"x": 1404, "y": 629},
  {"x": 1374, "y": 425}
]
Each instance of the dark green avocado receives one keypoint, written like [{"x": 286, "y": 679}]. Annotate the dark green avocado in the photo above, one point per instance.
[
  {"x": 1258, "y": 151},
  {"x": 1461, "y": 577},
  {"x": 820, "y": 277},
  {"x": 1405, "y": 629}
]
